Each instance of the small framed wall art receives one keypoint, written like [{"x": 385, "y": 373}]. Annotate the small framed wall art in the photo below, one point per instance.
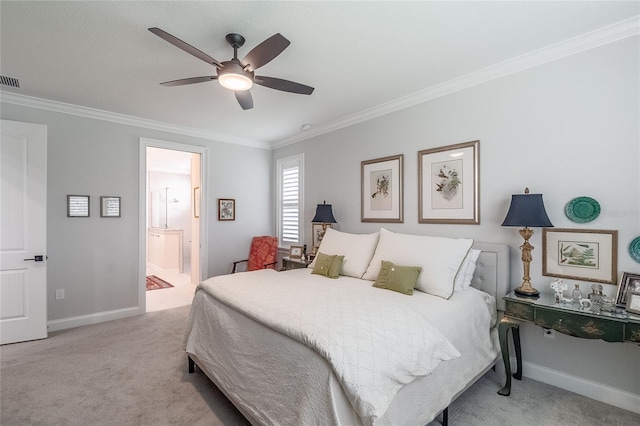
[
  {"x": 109, "y": 206},
  {"x": 77, "y": 206},
  {"x": 580, "y": 254},
  {"x": 448, "y": 184},
  {"x": 226, "y": 209},
  {"x": 381, "y": 190}
]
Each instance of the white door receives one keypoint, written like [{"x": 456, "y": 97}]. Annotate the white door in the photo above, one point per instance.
[{"x": 23, "y": 238}]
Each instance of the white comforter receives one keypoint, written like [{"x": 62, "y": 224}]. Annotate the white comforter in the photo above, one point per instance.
[{"x": 374, "y": 341}]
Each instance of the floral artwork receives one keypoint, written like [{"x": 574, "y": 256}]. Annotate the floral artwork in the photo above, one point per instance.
[
  {"x": 381, "y": 189},
  {"x": 447, "y": 183},
  {"x": 578, "y": 254},
  {"x": 381, "y": 182}
]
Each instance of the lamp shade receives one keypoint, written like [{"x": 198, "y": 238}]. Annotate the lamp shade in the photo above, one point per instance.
[
  {"x": 527, "y": 210},
  {"x": 324, "y": 214}
]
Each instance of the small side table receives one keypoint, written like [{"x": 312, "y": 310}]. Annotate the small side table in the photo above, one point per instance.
[{"x": 288, "y": 263}]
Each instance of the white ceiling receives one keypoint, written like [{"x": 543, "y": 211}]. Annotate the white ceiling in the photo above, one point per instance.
[{"x": 362, "y": 57}]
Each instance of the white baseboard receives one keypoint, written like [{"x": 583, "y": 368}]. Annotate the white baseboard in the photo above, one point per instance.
[
  {"x": 98, "y": 317},
  {"x": 594, "y": 390}
]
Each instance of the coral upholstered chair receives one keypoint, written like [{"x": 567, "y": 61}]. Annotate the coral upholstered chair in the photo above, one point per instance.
[{"x": 263, "y": 254}]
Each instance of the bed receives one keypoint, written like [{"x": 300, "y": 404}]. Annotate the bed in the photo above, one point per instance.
[{"x": 301, "y": 348}]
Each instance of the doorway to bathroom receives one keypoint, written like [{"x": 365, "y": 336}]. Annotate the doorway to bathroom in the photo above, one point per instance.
[{"x": 172, "y": 261}]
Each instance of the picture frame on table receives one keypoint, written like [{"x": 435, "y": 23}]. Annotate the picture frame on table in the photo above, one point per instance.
[
  {"x": 580, "y": 254},
  {"x": 226, "y": 209},
  {"x": 449, "y": 184},
  {"x": 633, "y": 303},
  {"x": 295, "y": 252},
  {"x": 109, "y": 206},
  {"x": 629, "y": 283},
  {"x": 381, "y": 190}
]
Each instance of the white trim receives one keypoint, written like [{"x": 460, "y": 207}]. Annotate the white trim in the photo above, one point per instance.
[
  {"x": 605, "y": 35},
  {"x": 95, "y": 318},
  {"x": 142, "y": 208},
  {"x": 114, "y": 117},
  {"x": 594, "y": 390}
]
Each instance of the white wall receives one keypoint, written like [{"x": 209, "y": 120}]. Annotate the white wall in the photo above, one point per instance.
[
  {"x": 565, "y": 129},
  {"x": 96, "y": 260}
]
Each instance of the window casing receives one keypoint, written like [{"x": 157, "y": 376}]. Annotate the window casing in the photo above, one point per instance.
[{"x": 290, "y": 200}]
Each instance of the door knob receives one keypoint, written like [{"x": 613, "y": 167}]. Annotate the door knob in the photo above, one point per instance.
[{"x": 37, "y": 258}]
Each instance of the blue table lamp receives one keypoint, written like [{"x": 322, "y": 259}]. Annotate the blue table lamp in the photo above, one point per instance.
[{"x": 527, "y": 210}]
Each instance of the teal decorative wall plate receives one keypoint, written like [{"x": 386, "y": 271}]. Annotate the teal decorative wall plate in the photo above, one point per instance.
[
  {"x": 634, "y": 249},
  {"x": 582, "y": 209}
]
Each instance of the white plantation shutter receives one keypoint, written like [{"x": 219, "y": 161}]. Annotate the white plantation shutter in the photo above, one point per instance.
[{"x": 290, "y": 200}]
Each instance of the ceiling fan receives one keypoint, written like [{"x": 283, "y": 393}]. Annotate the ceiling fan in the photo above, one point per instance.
[{"x": 238, "y": 75}]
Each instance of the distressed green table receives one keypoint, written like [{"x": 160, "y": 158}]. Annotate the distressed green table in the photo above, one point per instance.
[{"x": 546, "y": 313}]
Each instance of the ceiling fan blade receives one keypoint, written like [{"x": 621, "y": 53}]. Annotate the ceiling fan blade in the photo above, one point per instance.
[
  {"x": 244, "y": 99},
  {"x": 185, "y": 46},
  {"x": 265, "y": 52},
  {"x": 284, "y": 85},
  {"x": 191, "y": 80}
]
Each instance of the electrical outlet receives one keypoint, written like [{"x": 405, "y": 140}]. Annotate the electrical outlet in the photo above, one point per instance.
[
  {"x": 549, "y": 333},
  {"x": 60, "y": 294}
]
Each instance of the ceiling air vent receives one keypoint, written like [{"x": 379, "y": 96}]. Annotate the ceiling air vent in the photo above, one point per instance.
[{"x": 9, "y": 81}]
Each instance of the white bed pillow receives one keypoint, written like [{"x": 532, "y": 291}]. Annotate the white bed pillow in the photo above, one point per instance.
[
  {"x": 464, "y": 277},
  {"x": 357, "y": 250},
  {"x": 439, "y": 257}
]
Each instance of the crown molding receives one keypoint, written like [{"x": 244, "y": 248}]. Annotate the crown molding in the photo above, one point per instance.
[
  {"x": 81, "y": 111},
  {"x": 602, "y": 36}
]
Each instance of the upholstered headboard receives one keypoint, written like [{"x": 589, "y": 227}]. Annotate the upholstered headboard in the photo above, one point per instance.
[{"x": 492, "y": 271}]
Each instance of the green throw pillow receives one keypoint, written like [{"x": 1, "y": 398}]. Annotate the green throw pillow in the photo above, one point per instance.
[
  {"x": 328, "y": 265},
  {"x": 397, "y": 278}
]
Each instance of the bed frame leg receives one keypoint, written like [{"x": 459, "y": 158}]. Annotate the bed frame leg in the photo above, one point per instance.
[
  {"x": 445, "y": 417},
  {"x": 192, "y": 365}
]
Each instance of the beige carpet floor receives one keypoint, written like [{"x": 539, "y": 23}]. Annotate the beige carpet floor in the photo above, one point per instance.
[{"x": 134, "y": 372}]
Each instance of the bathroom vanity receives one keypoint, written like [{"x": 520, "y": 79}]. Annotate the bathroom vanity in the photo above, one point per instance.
[{"x": 164, "y": 250}]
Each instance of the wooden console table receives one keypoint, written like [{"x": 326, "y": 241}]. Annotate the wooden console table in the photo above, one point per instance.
[{"x": 546, "y": 313}]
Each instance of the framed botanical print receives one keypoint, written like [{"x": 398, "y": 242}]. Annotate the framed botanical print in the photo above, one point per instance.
[
  {"x": 317, "y": 232},
  {"x": 226, "y": 209},
  {"x": 580, "y": 254},
  {"x": 448, "y": 184},
  {"x": 381, "y": 183}
]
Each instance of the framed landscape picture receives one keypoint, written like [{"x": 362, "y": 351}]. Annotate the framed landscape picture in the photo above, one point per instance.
[
  {"x": 448, "y": 184},
  {"x": 381, "y": 196},
  {"x": 580, "y": 254}
]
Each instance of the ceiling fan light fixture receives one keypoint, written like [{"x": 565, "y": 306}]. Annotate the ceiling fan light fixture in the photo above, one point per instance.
[
  {"x": 234, "y": 77},
  {"x": 233, "y": 81}
]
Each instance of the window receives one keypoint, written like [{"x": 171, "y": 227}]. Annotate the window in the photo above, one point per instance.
[{"x": 290, "y": 200}]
